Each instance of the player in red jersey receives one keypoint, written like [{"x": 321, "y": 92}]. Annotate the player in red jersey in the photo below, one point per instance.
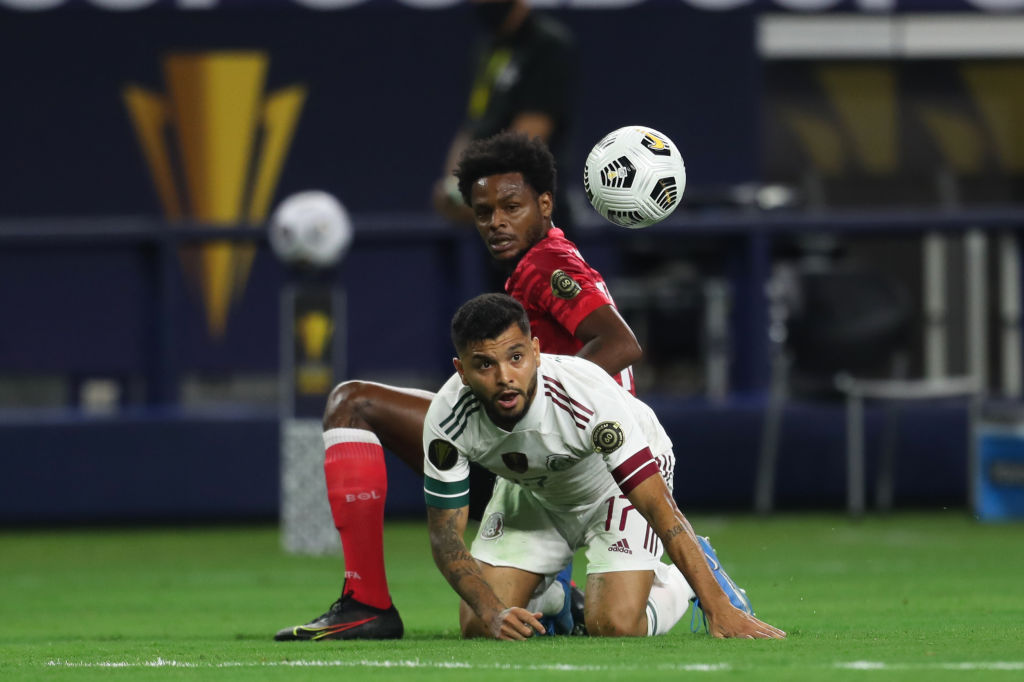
[
  {"x": 560, "y": 293},
  {"x": 508, "y": 181}
]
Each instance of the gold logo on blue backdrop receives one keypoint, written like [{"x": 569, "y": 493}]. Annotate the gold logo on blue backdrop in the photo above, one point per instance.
[
  {"x": 314, "y": 330},
  {"x": 215, "y": 145}
]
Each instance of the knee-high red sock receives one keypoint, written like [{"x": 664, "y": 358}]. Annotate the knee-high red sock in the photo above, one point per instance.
[{"x": 357, "y": 484}]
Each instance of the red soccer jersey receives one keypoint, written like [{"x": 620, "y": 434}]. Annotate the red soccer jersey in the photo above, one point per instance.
[{"x": 558, "y": 290}]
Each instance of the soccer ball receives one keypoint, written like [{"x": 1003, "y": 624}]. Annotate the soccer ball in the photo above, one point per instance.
[
  {"x": 634, "y": 176},
  {"x": 310, "y": 229}
]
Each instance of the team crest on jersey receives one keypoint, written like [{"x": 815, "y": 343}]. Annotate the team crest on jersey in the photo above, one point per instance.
[
  {"x": 516, "y": 461},
  {"x": 442, "y": 454},
  {"x": 608, "y": 437},
  {"x": 493, "y": 527},
  {"x": 561, "y": 462},
  {"x": 564, "y": 286}
]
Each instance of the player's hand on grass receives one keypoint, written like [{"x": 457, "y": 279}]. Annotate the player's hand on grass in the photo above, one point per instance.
[
  {"x": 737, "y": 624},
  {"x": 516, "y": 623}
]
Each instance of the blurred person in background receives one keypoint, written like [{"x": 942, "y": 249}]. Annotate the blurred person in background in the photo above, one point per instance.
[{"x": 524, "y": 80}]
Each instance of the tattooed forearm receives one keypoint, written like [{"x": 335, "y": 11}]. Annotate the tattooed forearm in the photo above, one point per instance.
[
  {"x": 446, "y": 539},
  {"x": 452, "y": 555},
  {"x": 672, "y": 532},
  {"x": 455, "y": 521},
  {"x": 457, "y": 571},
  {"x": 455, "y": 562},
  {"x": 449, "y": 549}
]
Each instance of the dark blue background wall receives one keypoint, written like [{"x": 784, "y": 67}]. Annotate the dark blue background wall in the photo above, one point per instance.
[
  {"x": 174, "y": 467},
  {"x": 386, "y": 89}
]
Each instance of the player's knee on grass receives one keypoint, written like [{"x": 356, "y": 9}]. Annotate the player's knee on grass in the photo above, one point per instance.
[
  {"x": 616, "y": 619},
  {"x": 616, "y": 603}
]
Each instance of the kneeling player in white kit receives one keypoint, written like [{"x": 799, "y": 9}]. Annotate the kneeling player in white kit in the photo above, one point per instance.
[{"x": 581, "y": 463}]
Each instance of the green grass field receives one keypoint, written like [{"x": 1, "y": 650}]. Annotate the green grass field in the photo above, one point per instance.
[{"x": 907, "y": 597}]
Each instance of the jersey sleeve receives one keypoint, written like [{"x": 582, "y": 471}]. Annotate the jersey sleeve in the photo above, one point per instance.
[
  {"x": 618, "y": 438},
  {"x": 445, "y": 469},
  {"x": 564, "y": 286}
]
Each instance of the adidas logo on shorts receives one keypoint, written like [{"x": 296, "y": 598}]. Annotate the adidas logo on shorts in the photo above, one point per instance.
[{"x": 621, "y": 546}]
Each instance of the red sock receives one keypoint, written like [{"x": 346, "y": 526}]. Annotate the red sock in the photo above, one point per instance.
[{"x": 357, "y": 484}]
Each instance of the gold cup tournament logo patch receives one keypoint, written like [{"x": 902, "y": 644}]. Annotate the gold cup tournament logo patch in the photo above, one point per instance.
[
  {"x": 608, "y": 437},
  {"x": 442, "y": 454},
  {"x": 215, "y": 145},
  {"x": 564, "y": 286}
]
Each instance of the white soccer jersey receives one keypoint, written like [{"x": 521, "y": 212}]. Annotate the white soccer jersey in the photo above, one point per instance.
[{"x": 584, "y": 437}]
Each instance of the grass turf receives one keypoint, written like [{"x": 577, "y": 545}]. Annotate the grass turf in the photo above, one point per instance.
[{"x": 906, "y": 597}]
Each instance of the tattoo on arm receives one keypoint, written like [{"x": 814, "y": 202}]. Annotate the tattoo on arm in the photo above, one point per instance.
[
  {"x": 455, "y": 562},
  {"x": 446, "y": 541},
  {"x": 674, "y": 531}
]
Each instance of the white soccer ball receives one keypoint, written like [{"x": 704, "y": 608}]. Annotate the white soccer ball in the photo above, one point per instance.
[
  {"x": 634, "y": 176},
  {"x": 310, "y": 228}
]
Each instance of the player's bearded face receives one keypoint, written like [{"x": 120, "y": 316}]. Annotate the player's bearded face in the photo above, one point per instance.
[
  {"x": 509, "y": 215},
  {"x": 502, "y": 373}
]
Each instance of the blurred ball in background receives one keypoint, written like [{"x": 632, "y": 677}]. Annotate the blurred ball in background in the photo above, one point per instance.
[{"x": 310, "y": 229}]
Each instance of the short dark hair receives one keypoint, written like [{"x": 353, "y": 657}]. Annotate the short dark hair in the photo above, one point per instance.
[
  {"x": 507, "y": 152},
  {"x": 486, "y": 317}
]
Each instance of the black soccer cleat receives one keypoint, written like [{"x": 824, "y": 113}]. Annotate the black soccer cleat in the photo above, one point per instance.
[{"x": 348, "y": 619}]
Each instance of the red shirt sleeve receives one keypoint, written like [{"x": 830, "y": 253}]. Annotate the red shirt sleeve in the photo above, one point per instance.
[{"x": 559, "y": 283}]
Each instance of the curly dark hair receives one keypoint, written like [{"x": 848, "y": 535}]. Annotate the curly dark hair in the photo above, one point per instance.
[
  {"x": 507, "y": 152},
  {"x": 486, "y": 317}
]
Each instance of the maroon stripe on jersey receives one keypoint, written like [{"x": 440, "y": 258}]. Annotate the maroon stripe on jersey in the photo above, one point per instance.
[
  {"x": 576, "y": 418},
  {"x": 566, "y": 403},
  {"x": 555, "y": 384},
  {"x": 635, "y": 470}
]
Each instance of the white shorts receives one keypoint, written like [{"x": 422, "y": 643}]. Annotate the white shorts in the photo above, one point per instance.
[{"x": 517, "y": 531}]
